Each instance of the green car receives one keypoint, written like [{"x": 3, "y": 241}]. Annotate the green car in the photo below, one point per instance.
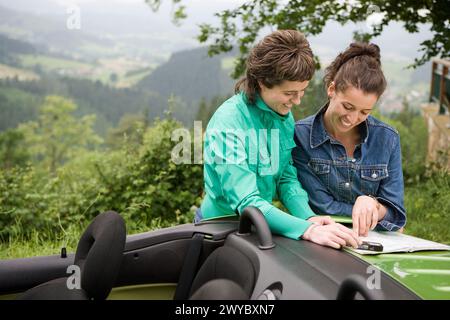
[{"x": 220, "y": 259}]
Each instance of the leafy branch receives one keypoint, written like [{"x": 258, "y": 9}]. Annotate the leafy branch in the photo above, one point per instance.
[{"x": 241, "y": 26}]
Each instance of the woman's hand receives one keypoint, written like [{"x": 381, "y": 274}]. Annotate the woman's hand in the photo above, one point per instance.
[
  {"x": 321, "y": 220},
  {"x": 366, "y": 213},
  {"x": 333, "y": 235}
]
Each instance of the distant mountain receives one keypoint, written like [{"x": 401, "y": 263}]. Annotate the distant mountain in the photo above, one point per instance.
[
  {"x": 20, "y": 100},
  {"x": 9, "y": 48},
  {"x": 15, "y": 46},
  {"x": 50, "y": 35},
  {"x": 106, "y": 29},
  {"x": 191, "y": 75}
]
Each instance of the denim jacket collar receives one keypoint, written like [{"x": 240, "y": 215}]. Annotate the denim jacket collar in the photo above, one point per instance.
[{"x": 320, "y": 135}]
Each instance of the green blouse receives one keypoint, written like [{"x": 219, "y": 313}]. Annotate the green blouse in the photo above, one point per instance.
[{"x": 248, "y": 162}]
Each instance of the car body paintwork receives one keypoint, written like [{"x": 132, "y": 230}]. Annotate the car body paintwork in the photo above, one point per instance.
[{"x": 426, "y": 273}]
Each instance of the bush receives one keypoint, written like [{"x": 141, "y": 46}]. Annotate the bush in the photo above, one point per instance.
[
  {"x": 428, "y": 206},
  {"x": 413, "y": 133},
  {"x": 142, "y": 184},
  {"x": 22, "y": 199}
]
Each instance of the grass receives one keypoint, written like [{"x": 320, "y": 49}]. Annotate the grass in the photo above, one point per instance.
[
  {"x": 39, "y": 244},
  {"x": 428, "y": 209},
  {"x": 51, "y": 63},
  {"x": 129, "y": 80},
  {"x": 102, "y": 71},
  {"x": 14, "y": 32},
  {"x": 97, "y": 50},
  {"x": 128, "y": 72},
  {"x": 50, "y": 241},
  {"x": 11, "y": 72}
]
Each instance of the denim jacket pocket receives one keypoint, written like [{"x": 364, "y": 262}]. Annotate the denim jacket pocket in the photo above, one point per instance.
[
  {"x": 371, "y": 176},
  {"x": 322, "y": 169}
]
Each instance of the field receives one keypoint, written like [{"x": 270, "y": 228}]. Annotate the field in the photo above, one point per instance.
[
  {"x": 117, "y": 72},
  {"x": 11, "y": 72},
  {"x": 53, "y": 64}
]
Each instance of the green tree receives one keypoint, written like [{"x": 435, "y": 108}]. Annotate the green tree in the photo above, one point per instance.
[
  {"x": 12, "y": 150},
  {"x": 244, "y": 23},
  {"x": 413, "y": 138},
  {"x": 57, "y": 134},
  {"x": 113, "y": 77},
  {"x": 314, "y": 98},
  {"x": 130, "y": 131},
  {"x": 207, "y": 109}
]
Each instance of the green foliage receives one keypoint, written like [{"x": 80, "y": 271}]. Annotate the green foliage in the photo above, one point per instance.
[
  {"x": 189, "y": 76},
  {"x": 12, "y": 149},
  {"x": 113, "y": 77},
  {"x": 314, "y": 98},
  {"x": 20, "y": 198},
  {"x": 413, "y": 139},
  {"x": 428, "y": 207},
  {"x": 144, "y": 184},
  {"x": 20, "y": 101},
  {"x": 241, "y": 26},
  {"x": 10, "y": 48},
  {"x": 58, "y": 135},
  {"x": 207, "y": 109},
  {"x": 178, "y": 10},
  {"x": 426, "y": 187},
  {"x": 139, "y": 180},
  {"x": 18, "y": 246},
  {"x": 49, "y": 241},
  {"x": 16, "y": 105},
  {"x": 130, "y": 130}
]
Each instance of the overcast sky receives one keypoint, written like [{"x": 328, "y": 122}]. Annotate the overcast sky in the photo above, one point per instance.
[{"x": 135, "y": 17}]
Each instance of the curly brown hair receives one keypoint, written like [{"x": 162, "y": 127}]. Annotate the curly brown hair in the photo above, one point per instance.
[
  {"x": 281, "y": 55},
  {"x": 358, "y": 66}
]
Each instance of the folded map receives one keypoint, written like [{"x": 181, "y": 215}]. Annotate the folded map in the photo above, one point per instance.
[{"x": 399, "y": 242}]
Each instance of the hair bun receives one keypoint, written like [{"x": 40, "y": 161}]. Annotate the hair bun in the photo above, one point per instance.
[
  {"x": 363, "y": 49},
  {"x": 358, "y": 66}
]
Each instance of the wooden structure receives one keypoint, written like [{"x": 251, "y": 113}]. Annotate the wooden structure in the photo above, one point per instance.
[{"x": 437, "y": 114}]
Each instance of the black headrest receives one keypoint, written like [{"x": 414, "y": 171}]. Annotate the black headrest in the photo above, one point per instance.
[
  {"x": 226, "y": 263},
  {"x": 220, "y": 289},
  {"x": 99, "y": 253}
]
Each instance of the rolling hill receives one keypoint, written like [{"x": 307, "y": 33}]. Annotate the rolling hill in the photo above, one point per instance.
[{"x": 191, "y": 75}]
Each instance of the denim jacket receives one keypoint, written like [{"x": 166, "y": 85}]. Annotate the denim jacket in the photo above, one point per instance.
[{"x": 334, "y": 181}]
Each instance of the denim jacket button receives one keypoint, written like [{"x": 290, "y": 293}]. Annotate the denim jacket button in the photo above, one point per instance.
[
  {"x": 347, "y": 184},
  {"x": 374, "y": 175},
  {"x": 353, "y": 160}
]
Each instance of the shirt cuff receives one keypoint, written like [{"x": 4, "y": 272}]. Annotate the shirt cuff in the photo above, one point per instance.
[
  {"x": 298, "y": 206},
  {"x": 285, "y": 224},
  {"x": 393, "y": 220}
]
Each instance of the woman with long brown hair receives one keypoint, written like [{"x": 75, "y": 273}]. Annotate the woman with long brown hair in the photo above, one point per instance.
[{"x": 348, "y": 161}]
